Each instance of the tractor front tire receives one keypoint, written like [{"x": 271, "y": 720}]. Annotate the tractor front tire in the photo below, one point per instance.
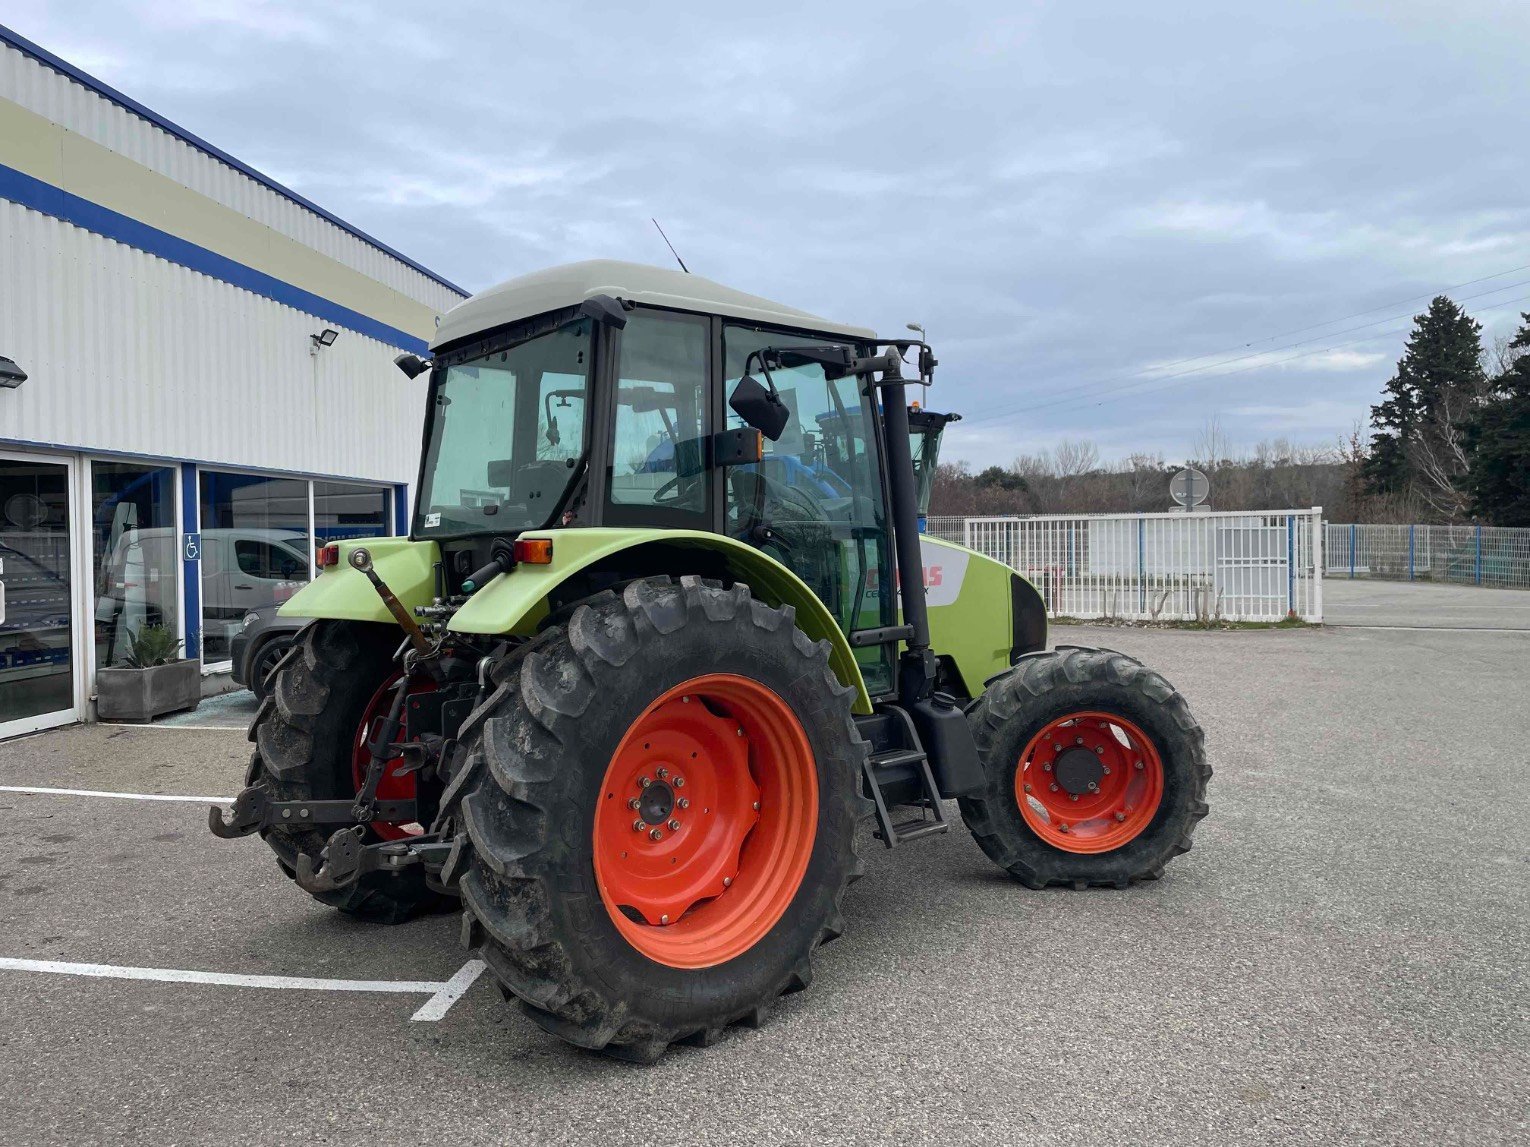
[
  {"x": 305, "y": 735},
  {"x": 658, "y": 808},
  {"x": 1096, "y": 771}
]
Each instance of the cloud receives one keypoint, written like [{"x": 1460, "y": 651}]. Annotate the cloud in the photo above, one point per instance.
[{"x": 1060, "y": 196}]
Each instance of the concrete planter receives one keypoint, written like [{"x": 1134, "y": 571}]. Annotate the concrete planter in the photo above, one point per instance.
[{"x": 143, "y": 694}]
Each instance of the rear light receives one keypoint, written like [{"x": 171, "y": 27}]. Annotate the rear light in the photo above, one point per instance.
[
  {"x": 533, "y": 551},
  {"x": 327, "y": 556}
]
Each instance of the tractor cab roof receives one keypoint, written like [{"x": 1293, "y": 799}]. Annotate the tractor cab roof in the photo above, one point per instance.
[{"x": 573, "y": 283}]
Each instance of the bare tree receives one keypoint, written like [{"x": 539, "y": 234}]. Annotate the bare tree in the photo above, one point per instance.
[{"x": 1072, "y": 458}]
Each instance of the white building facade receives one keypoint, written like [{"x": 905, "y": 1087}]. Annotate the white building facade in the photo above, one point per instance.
[{"x": 209, "y": 387}]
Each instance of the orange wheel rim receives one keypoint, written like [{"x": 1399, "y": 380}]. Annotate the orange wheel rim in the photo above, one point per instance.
[
  {"x": 1089, "y": 782},
  {"x": 392, "y": 786},
  {"x": 707, "y": 818}
]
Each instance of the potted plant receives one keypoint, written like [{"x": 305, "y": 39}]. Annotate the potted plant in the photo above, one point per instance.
[{"x": 150, "y": 680}]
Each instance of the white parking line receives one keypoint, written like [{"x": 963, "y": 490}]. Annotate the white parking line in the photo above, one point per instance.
[
  {"x": 442, "y": 994},
  {"x": 120, "y": 796}
]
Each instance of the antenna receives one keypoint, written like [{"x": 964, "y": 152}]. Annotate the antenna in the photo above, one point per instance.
[{"x": 670, "y": 245}]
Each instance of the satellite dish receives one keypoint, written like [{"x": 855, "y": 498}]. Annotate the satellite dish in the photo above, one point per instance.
[{"x": 1189, "y": 487}]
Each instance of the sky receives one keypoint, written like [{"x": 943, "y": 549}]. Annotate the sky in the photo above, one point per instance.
[{"x": 1117, "y": 221}]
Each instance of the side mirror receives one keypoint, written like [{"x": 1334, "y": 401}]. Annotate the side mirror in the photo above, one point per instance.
[
  {"x": 604, "y": 309},
  {"x": 411, "y": 364},
  {"x": 11, "y": 375},
  {"x": 760, "y": 408}
]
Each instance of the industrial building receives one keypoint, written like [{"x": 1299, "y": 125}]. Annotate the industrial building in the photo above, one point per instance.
[{"x": 208, "y": 392}]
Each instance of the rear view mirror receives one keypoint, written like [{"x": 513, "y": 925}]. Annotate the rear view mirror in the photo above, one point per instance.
[{"x": 760, "y": 408}]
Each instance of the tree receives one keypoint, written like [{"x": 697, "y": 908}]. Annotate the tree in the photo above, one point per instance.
[
  {"x": 1498, "y": 440},
  {"x": 1419, "y": 446}
]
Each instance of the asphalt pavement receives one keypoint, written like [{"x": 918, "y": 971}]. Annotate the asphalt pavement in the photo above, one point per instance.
[
  {"x": 1423, "y": 605},
  {"x": 1340, "y": 959}
]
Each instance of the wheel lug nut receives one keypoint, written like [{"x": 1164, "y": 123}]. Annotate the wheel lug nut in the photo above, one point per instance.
[
  {"x": 661, "y": 772},
  {"x": 1056, "y": 748},
  {"x": 664, "y": 919},
  {"x": 1054, "y": 788},
  {"x": 1078, "y": 740},
  {"x": 756, "y": 806},
  {"x": 655, "y": 834},
  {"x": 674, "y": 826},
  {"x": 1027, "y": 788},
  {"x": 1047, "y": 768},
  {"x": 1062, "y": 828},
  {"x": 686, "y": 700},
  {"x": 1099, "y": 750},
  {"x": 639, "y": 825},
  {"x": 1073, "y": 796},
  {"x": 1120, "y": 816},
  {"x": 644, "y": 782},
  {"x": 1107, "y": 770},
  {"x": 684, "y": 802},
  {"x": 1139, "y": 764},
  {"x": 679, "y": 782},
  {"x": 634, "y": 804},
  {"x": 1094, "y": 788},
  {"x": 727, "y": 882}
]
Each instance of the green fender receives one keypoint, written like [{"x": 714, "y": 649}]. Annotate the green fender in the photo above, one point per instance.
[
  {"x": 515, "y": 602},
  {"x": 343, "y": 593}
]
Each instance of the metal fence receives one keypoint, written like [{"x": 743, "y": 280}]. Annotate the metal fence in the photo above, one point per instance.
[
  {"x": 1166, "y": 567},
  {"x": 1465, "y": 555}
]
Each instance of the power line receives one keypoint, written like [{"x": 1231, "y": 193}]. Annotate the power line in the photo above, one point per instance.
[{"x": 1120, "y": 384}]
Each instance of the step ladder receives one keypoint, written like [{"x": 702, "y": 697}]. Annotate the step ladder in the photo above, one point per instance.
[{"x": 878, "y": 766}]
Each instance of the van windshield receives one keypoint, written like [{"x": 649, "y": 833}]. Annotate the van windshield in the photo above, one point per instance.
[{"x": 504, "y": 435}]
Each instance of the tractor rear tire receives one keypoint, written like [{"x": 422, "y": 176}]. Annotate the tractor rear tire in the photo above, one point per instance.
[
  {"x": 305, "y": 733},
  {"x": 578, "y": 838},
  {"x": 1096, "y": 771}
]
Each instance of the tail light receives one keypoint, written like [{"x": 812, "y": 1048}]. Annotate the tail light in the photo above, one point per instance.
[{"x": 327, "y": 556}]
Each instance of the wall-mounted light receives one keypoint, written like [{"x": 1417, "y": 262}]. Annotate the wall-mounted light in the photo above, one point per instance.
[
  {"x": 11, "y": 375},
  {"x": 326, "y": 337}
]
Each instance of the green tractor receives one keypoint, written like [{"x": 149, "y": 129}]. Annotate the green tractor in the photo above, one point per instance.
[{"x": 643, "y": 666}]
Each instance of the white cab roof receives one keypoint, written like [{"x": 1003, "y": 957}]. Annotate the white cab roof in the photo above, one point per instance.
[{"x": 569, "y": 285}]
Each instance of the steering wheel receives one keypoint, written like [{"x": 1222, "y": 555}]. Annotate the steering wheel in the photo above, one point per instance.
[{"x": 672, "y": 491}]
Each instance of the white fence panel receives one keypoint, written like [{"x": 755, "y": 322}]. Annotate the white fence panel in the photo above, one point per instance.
[{"x": 1229, "y": 566}]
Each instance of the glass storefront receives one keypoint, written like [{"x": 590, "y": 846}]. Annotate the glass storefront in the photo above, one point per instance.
[
  {"x": 257, "y": 543},
  {"x": 135, "y": 554},
  {"x": 256, "y": 550},
  {"x": 36, "y": 600},
  {"x": 344, "y": 510}
]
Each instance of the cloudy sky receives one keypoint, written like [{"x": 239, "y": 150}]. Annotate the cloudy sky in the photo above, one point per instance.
[{"x": 1116, "y": 219}]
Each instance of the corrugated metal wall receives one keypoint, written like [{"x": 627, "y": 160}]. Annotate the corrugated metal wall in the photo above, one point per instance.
[
  {"x": 40, "y": 89},
  {"x": 129, "y": 353}
]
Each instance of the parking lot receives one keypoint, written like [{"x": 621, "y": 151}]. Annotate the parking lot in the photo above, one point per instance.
[{"x": 1340, "y": 959}]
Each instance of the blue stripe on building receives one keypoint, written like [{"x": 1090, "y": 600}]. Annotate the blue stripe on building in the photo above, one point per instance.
[{"x": 38, "y": 195}]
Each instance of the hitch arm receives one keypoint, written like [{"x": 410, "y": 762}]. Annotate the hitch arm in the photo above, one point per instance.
[{"x": 254, "y": 810}]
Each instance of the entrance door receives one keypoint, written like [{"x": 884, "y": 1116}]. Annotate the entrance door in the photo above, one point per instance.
[{"x": 37, "y": 599}]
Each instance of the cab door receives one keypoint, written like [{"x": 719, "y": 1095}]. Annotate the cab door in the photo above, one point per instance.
[{"x": 816, "y": 501}]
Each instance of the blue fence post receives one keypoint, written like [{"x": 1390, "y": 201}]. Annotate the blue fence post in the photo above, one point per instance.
[
  {"x": 1290, "y": 565},
  {"x": 1410, "y": 551},
  {"x": 1141, "y": 565},
  {"x": 1479, "y": 555},
  {"x": 1352, "y": 551}
]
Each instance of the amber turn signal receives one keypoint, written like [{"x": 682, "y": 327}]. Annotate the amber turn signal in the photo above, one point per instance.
[{"x": 533, "y": 551}]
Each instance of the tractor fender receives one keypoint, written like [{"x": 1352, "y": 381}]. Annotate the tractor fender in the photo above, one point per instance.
[
  {"x": 343, "y": 593},
  {"x": 516, "y": 601}
]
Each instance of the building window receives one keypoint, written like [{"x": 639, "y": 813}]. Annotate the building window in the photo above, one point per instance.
[
  {"x": 135, "y": 553},
  {"x": 344, "y": 510},
  {"x": 256, "y": 550}
]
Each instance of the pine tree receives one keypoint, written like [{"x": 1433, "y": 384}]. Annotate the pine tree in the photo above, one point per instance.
[
  {"x": 1499, "y": 441},
  {"x": 1419, "y": 447}
]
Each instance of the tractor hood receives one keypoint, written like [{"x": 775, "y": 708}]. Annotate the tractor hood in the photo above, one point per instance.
[{"x": 570, "y": 285}]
